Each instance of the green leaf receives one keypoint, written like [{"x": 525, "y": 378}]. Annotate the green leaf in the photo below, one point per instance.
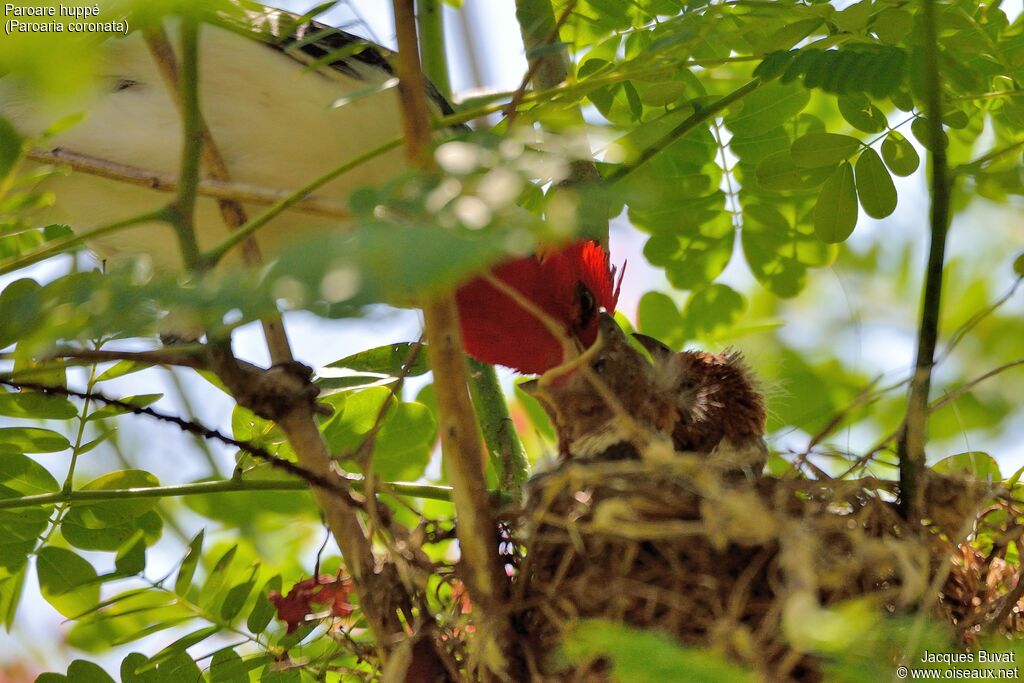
[
  {"x": 861, "y": 114},
  {"x": 639, "y": 656},
  {"x": 778, "y": 173},
  {"x": 835, "y": 213},
  {"x": 113, "y": 537},
  {"x": 921, "y": 130},
  {"x": 128, "y": 666},
  {"x": 101, "y": 515},
  {"x": 712, "y": 310},
  {"x": 892, "y": 24},
  {"x": 34, "y": 405},
  {"x": 81, "y": 671},
  {"x": 50, "y": 677},
  {"x": 217, "y": 576},
  {"x": 1018, "y": 265},
  {"x": 10, "y": 590},
  {"x": 19, "y": 440},
  {"x": 178, "y": 647},
  {"x": 187, "y": 569},
  {"x": 10, "y": 148},
  {"x": 767, "y": 107},
  {"x": 131, "y": 557},
  {"x": 402, "y": 444},
  {"x": 263, "y": 611},
  {"x": 66, "y": 581},
  {"x": 899, "y": 154},
  {"x": 238, "y": 594},
  {"x": 387, "y": 360},
  {"x": 227, "y": 667},
  {"x": 122, "y": 368},
  {"x": 977, "y": 464},
  {"x": 23, "y": 476},
  {"x": 875, "y": 188},
  {"x": 20, "y": 303},
  {"x": 658, "y": 316},
  {"x": 823, "y": 149},
  {"x": 855, "y": 17}
]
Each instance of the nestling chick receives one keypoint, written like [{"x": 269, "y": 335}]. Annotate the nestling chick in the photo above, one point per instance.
[
  {"x": 589, "y": 425},
  {"x": 721, "y": 410},
  {"x": 705, "y": 403}
]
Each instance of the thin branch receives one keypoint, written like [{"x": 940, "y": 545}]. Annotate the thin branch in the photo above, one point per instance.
[
  {"x": 197, "y": 429},
  {"x": 477, "y": 529},
  {"x": 932, "y": 407},
  {"x": 979, "y": 163},
  {"x": 216, "y": 253},
  {"x": 58, "y": 246},
  {"x": 975, "y": 319},
  {"x": 170, "y": 356},
  {"x": 205, "y": 488},
  {"x": 378, "y": 588},
  {"x": 167, "y": 182},
  {"x": 698, "y": 117},
  {"x": 910, "y": 448}
]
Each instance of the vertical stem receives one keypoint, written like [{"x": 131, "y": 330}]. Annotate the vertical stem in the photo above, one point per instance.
[
  {"x": 476, "y": 527},
  {"x": 380, "y": 594},
  {"x": 911, "y": 444},
  {"x": 506, "y": 450},
  {"x": 188, "y": 95},
  {"x": 540, "y": 29},
  {"x": 430, "y": 19}
]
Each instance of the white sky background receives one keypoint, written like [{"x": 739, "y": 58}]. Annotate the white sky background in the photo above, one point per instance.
[{"x": 485, "y": 31}]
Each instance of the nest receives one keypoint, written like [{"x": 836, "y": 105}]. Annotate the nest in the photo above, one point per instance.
[{"x": 718, "y": 560}]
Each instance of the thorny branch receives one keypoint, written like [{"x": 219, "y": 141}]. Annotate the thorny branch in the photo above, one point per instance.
[
  {"x": 381, "y": 594},
  {"x": 196, "y": 429}
]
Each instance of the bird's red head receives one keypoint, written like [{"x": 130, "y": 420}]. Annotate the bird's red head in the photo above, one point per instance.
[{"x": 570, "y": 285}]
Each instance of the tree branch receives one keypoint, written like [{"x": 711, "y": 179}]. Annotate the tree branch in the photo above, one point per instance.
[
  {"x": 380, "y": 591},
  {"x": 477, "y": 529},
  {"x": 910, "y": 448},
  {"x": 698, "y": 117},
  {"x": 166, "y": 182},
  {"x": 205, "y": 488}
]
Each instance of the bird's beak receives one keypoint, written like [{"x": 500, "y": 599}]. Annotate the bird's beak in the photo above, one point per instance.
[
  {"x": 660, "y": 353},
  {"x": 530, "y": 387}
]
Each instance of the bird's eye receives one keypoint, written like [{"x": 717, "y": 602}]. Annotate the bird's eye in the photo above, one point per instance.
[
  {"x": 588, "y": 307},
  {"x": 598, "y": 366}
]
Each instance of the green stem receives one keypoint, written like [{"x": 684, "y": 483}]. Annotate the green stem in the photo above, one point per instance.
[
  {"x": 58, "y": 246},
  {"x": 82, "y": 420},
  {"x": 218, "y": 252},
  {"x": 979, "y": 163},
  {"x": 503, "y": 445},
  {"x": 698, "y": 117},
  {"x": 202, "y": 488},
  {"x": 188, "y": 85},
  {"x": 911, "y": 444},
  {"x": 430, "y": 22}
]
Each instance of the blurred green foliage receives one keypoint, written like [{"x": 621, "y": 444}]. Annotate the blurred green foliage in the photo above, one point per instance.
[{"x": 773, "y": 188}]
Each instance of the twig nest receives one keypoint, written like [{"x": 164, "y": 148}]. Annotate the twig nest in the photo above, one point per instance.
[{"x": 712, "y": 557}]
